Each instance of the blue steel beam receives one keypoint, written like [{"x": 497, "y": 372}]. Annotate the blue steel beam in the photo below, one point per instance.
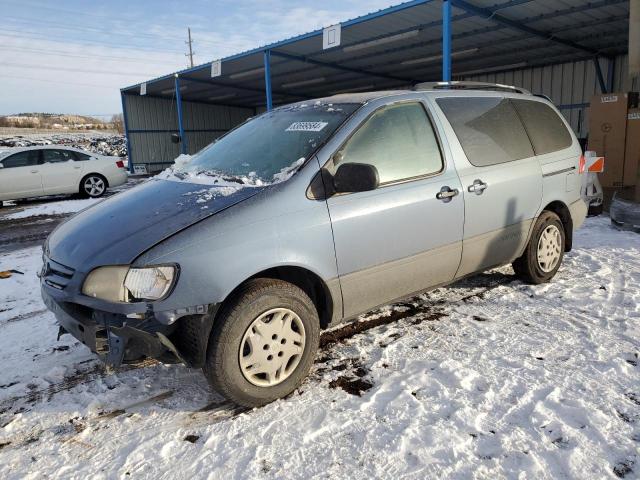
[
  {"x": 239, "y": 87},
  {"x": 446, "y": 41},
  {"x": 336, "y": 66},
  {"x": 125, "y": 123},
  {"x": 267, "y": 79},
  {"x": 183, "y": 142},
  {"x": 516, "y": 25},
  {"x": 610, "y": 73},
  {"x": 603, "y": 86}
]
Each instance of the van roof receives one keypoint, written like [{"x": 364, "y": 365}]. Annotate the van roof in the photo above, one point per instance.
[{"x": 450, "y": 87}]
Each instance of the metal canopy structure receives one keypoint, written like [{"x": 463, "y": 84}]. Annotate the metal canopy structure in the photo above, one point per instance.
[{"x": 416, "y": 41}]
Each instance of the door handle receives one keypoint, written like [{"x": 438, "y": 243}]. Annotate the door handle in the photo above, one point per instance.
[
  {"x": 478, "y": 187},
  {"x": 34, "y": 171},
  {"x": 76, "y": 167},
  {"x": 446, "y": 194}
]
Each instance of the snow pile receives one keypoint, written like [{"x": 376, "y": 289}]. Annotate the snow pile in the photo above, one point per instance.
[
  {"x": 487, "y": 378},
  {"x": 53, "y": 208},
  {"x": 222, "y": 184}
]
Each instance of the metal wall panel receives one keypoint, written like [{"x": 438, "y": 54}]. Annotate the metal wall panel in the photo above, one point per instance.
[
  {"x": 152, "y": 120},
  {"x": 570, "y": 85}
]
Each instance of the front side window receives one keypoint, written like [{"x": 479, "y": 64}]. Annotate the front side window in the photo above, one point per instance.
[
  {"x": 398, "y": 140},
  {"x": 56, "y": 156},
  {"x": 488, "y": 129},
  {"x": 21, "y": 159},
  {"x": 546, "y": 129},
  {"x": 265, "y": 149}
]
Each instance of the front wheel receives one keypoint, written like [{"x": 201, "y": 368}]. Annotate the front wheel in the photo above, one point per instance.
[
  {"x": 544, "y": 252},
  {"x": 93, "y": 186},
  {"x": 263, "y": 342}
]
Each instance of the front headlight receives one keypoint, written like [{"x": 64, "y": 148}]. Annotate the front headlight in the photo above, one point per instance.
[
  {"x": 150, "y": 283},
  {"x": 125, "y": 284}
]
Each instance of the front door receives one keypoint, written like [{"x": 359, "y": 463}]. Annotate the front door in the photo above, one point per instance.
[
  {"x": 405, "y": 236},
  {"x": 20, "y": 176},
  {"x": 501, "y": 179}
]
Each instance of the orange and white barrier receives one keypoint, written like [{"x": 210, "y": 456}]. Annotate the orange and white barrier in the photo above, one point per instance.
[{"x": 591, "y": 163}]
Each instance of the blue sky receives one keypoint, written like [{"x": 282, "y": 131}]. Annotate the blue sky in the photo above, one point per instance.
[{"x": 73, "y": 56}]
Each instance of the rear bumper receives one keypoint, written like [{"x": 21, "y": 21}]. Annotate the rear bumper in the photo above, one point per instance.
[{"x": 118, "y": 178}]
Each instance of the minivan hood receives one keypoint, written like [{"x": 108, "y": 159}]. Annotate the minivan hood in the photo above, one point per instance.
[{"x": 119, "y": 229}]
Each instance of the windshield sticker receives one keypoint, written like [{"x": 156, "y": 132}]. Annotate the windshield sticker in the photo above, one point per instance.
[{"x": 306, "y": 126}]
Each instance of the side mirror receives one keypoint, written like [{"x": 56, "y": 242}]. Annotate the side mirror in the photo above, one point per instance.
[
  {"x": 1, "y": 165},
  {"x": 355, "y": 177},
  {"x": 175, "y": 138}
]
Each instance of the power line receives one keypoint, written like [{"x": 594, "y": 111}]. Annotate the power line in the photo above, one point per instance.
[
  {"x": 73, "y": 55},
  {"x": 109, "y": 31},
  {"x": 78, "y": 70},
  {"x": 46, "y": 80},
  {"x": 40, "y": 36}
]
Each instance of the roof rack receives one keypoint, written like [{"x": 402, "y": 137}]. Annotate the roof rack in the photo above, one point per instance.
[{"x": 470, "y": 86}]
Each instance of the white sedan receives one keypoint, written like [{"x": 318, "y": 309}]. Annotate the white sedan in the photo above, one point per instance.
[{"x": 27, "y": 172}]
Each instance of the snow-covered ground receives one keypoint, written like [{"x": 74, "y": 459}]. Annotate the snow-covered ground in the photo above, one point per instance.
[{"x": 488, "y": 378}]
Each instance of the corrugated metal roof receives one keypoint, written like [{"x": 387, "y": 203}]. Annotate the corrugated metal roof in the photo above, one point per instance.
[{"x": 401, "y": 46}]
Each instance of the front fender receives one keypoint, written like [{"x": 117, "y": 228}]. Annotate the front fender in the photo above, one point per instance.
[{"x": 277, "y": 227}]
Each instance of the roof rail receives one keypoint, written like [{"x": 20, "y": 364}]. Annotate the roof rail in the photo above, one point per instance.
[{"x": 470, "y": 86}]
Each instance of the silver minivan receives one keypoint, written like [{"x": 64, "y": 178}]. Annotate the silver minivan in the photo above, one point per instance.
[{"x": 236, "y": 258}]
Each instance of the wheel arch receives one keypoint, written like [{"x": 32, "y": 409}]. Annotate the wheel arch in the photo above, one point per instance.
[
  {"x": 560, "y": 208},
  {"x": 309, "y": 282},
  {"x": 101, "y": 175}
]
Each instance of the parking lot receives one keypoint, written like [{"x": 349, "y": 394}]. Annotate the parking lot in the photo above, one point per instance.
[{"x": 487, "y": 377}]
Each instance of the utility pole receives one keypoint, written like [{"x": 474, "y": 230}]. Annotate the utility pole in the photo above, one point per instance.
[{"x": 190, "y": 54}]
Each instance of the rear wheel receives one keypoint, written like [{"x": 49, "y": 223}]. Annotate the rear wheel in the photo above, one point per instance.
[
  {"x": 544, "y": 252},
  {"x": 93, "y": 185},
  {"x": 263, "y": 342}
]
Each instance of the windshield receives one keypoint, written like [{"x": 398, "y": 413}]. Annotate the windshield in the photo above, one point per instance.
[{"x": 268, "y": 148}]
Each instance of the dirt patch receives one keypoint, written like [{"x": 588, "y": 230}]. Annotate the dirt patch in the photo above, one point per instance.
[
  {"x": 351, "y": 329},
  {"x": 623, "y": 469},
  {"x": 354, "y": 386}
]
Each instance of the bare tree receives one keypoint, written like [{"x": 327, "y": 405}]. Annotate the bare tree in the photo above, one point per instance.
[{"x": 118, "y": 122}]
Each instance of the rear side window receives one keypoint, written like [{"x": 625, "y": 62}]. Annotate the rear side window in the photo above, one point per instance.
[
  {"x": 546, "y": 129},
  {"x": 56, "y": 156},
  {"x": 27, "y": 158},
  {"x": 488, "y": 129},
  {"x": 81, "y": 157},
  {"x": 398, "y": 140}
]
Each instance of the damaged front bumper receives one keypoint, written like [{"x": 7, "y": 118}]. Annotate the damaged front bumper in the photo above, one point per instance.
[{"x": 126, "y": 332}]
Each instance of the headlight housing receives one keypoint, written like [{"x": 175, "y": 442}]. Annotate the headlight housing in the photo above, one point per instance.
[{"x": 130, "y": 284}]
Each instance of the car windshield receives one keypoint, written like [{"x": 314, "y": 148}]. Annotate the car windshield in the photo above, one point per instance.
[{"x": 268, "y": 148}]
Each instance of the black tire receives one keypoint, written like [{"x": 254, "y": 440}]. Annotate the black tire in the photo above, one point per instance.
[
  {"x": 595, "y": 210},
  {"x": 222, "y": 366},
  {"x": 86, "y": 192},
  {"x": 527, "y": 267}
]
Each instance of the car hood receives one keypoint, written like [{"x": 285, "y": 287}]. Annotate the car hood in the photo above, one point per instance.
[{"x": 120, "y": 228}]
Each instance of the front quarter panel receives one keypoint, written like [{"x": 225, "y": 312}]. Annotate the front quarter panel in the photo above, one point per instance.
[{"x": 277, "y": 227}]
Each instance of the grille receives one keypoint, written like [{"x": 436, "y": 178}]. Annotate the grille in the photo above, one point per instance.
[{"x": 55, "y": 274}]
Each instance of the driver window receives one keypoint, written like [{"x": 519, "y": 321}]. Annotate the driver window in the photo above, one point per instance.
[
  {"x": 27, "y": 158},
  {"x": 56, "y": 156},
  {"x": 398, "y": 140}
]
